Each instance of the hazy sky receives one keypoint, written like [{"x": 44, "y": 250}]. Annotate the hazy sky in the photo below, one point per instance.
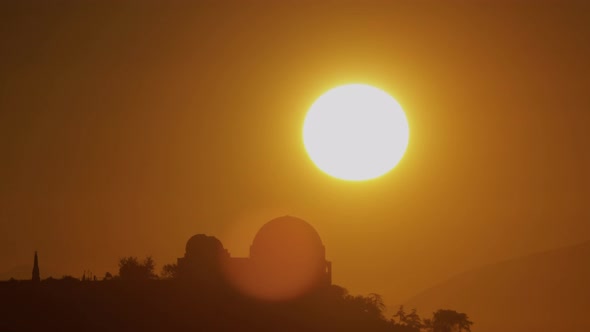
[{"x": 129, "y": 127}]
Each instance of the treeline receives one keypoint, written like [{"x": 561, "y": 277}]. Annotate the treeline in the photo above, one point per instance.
[
  {"x": 138, "y": 299},
  {"x": 443, "y": 320}
]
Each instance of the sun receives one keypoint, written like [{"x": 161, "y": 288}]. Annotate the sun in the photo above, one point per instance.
[{"x": 356, "y": 132}]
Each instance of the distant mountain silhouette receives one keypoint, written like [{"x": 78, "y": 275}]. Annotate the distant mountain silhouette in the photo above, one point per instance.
[{"x": 548, "y": 291}]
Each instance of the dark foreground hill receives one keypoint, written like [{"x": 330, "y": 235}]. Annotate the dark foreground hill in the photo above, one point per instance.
[
  {"x": 160, "y": 305},
  {"x": 548, "y": 291}
]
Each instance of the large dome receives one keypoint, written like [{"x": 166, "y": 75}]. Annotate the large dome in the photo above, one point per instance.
[
  {"x": 288, "y": 259},
  {"x": 287, "y": 236}
]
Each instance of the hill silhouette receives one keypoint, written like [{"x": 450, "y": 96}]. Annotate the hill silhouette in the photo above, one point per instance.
[
  {"x": 548, "y": 291},
  {"x": 159, "y": 305},
  {"x": 284, "y": 285}
]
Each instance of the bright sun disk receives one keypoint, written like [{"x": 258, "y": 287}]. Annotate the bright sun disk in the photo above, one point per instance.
[{"x": 355, "y": 132}]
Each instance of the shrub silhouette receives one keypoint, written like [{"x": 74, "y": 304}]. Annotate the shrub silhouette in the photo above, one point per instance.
[
  {"x": 450, "y": 321},
  {"x": 131, "y": 269}
]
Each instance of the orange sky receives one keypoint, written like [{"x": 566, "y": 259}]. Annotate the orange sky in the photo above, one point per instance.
[{"x": 127, "y": 128}]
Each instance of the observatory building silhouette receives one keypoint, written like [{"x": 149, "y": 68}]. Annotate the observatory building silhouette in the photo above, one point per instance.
[{"x": 287, "y": 258}]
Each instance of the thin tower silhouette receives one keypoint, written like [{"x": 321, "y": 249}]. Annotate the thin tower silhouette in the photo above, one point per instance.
[{"x": 36, "y": 277}]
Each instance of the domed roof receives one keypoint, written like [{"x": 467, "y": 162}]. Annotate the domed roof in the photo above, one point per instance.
[
  {"x": 287, "y": 235},
  {"x": 201, "y": 243}
]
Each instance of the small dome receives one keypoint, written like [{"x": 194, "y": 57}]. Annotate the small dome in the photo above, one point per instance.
[{"x": 201, "y": 244}]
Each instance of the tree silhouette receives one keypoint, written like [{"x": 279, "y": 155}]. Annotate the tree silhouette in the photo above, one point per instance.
[
  {"x": 413, "y": 320},
  {"x": 69, "y": 278},
  {"x": 401, "y": 315},
  {"x": 131, "y": 269},
  {"x": 407, "y": 322},
  {"x": 376, "y": 301},
  {"x": 169, "y": 271},
  {"x": 450, "y": 321},
  {"x": 372, "y": 305}
]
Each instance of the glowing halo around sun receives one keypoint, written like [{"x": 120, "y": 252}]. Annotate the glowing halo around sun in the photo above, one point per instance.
[{"x": 356, "y": 132}]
